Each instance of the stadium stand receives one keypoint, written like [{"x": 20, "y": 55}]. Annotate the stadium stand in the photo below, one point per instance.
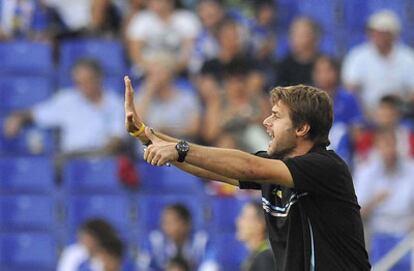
[{"x": 39, "y": 214}]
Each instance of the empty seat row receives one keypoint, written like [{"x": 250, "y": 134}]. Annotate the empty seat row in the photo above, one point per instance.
[
  {"x": 140, "y": 212},
  {"x": 40, "y": 251},
  {"x": 90, "y": 176},
  {"x": 33, "y": 58}
]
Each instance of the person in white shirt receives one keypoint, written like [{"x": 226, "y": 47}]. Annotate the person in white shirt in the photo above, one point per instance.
[
  {"x": 385, "y": 190},
  {"x": 162, "y": 28},
  {"x": 382, "y": 65},
  {"x": 158, "y": 98},
  {"x": 84, "y": 253},
  {"x": 90, "y": 119}
]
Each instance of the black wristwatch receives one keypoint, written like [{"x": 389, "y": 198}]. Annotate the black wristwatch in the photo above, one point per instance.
[{"x": 182, "y": 148}]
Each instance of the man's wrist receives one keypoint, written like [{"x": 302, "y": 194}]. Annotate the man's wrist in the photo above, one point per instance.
[
  {"x": 138, "y": 132},
  {"x": 182, "y": 148}
]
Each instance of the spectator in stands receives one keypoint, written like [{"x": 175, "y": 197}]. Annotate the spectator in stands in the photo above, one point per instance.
[
  {"x": 251, "y": 230},
  {"x": 263, "y": 37},
  {"x": 262, "y": 32},
  {"x": 232, "y": 53},
  {"x": 162, "y": 27},
  {"x": 348, "y": 117},
  {"x": 385, "y": 190},
  {"x": 28, "y": 19},
  {"x": 84, "y": 253},
  {"x": 296, "y": 67},
  {"x": 87, "y": 17},
  {"x": 211, "y": 14},
  {"x": 234, "y": 120},
  {"x": 89, "y": 118},
  {"x": 158, "y": 98},
  {"x": 381, "y": 66},
  {"x": 176, "y": 239},
  {"x": 133, "y": 8},
  {"x": 112, "y": 255},
  {"x": 387, "y": 116}
]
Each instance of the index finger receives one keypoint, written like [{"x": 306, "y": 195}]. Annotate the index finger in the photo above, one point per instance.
[{"x": 129, "y": 92}]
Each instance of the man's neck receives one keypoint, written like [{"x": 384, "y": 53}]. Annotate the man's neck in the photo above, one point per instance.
[{"x": 303, "y": 148}]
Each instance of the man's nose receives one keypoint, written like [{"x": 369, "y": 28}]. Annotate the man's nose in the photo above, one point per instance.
[{"x": 266, "y": 122}]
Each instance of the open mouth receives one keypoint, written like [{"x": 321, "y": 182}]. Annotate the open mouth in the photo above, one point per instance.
[{"x": 271, "y": 135}]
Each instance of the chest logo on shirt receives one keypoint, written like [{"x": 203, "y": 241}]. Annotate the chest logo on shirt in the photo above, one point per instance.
[
  {"x": 280, "y": 208},
  {"x": 278, "y": 193}
]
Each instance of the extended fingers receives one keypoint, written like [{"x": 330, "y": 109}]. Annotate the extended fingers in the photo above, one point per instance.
[{"x": 129, "y": 92}]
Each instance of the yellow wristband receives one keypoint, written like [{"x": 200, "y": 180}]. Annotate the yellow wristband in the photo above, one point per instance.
[{"x": 138, "y": 132}]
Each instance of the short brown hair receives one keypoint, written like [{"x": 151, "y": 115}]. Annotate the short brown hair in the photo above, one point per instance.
[{"x": 307, "y": 105}]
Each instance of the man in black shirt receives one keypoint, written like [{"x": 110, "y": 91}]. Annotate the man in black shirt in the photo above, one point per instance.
[{"x": 311, "y": 209}]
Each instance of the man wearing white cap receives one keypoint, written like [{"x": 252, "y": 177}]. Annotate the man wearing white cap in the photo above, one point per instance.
[{"x": 382, "y": 65}]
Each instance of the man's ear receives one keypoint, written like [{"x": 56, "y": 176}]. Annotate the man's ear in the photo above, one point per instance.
[{"x": 303, "y": 130}]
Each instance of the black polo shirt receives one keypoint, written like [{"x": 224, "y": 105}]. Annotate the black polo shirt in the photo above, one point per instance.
[{"x": 317, "y": 224}]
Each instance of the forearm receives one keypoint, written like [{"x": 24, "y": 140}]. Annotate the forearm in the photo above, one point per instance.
[
  {"x": 205, "y": 174},
  {"x": 230, "y": 163}
]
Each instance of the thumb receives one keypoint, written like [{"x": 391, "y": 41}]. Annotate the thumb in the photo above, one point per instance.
[{"x": 149, "y": 132}]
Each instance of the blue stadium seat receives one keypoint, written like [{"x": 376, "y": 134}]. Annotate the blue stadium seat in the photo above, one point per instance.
[
  {"x": 382, "y": 244},
  {"x": 168, "y": 180},
  {"x": 231, "y": 253},
  {"x": 30, "y": 141},
  {"x": 282, "y": 46},
  {"x": 29, "y": 174},
  {"x": 114, "y": 208},
  {"x": 225, "y": 211},
  {"x": 27, "y": 212},
  {"x": 150, "y": 208},
  {"x": 23, "y": 57},
  {"x": 286, "y": 10},
  {"x": 355, "y": 15},
  {"x": 27, "y": 251},
  {"x": 328, "y": 14},
  {"x": 328, "y": 45},
  {"x": 22, "y": 92},
  {"x": 109, "y": 53},
  {"x": 94, "y": 175}
]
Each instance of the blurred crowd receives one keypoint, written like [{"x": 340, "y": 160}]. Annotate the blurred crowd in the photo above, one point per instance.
[{"x": 202, "y": 70}]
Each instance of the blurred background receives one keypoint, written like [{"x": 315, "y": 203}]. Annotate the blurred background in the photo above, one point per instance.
[{"x": 74, "y": 191}]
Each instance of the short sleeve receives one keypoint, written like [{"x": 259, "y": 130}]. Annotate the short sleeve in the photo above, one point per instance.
[
  {"x": 49, "y": 113},
  {"x": 408, "y": 70},
  {"x": 319, "y": 173},
  {"x": 351, "y": 72},
  {"x": 250, "y": 185},
  {"x": 139, "y": 27},
  {"x": 192, "y": 103},
  {"x": 363, "y": 187},
  {"x": 253, "y": 185},
  {"x": 188, "y": 24}
]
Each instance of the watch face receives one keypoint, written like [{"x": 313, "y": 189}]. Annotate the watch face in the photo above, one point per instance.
[{"x": 183, "y": 146}]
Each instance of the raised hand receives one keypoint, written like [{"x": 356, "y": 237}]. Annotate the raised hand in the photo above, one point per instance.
[
  {"x": 160, "y": 152},
  {"x": 132, "y": 121}
]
